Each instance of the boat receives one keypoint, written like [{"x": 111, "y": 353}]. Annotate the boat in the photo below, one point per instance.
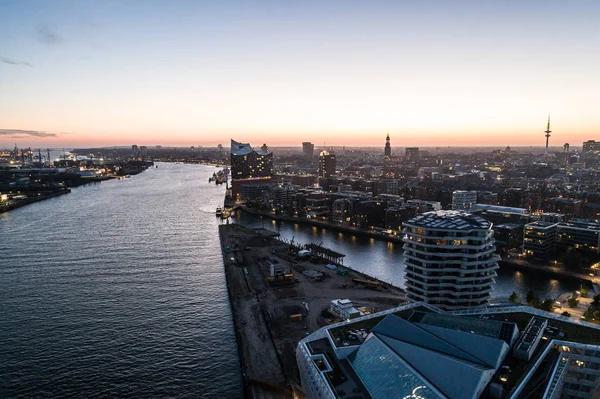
[{"x": 219, "y": 211}]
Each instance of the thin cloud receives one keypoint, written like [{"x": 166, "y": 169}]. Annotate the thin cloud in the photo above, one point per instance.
[
  {"x": 48, "y": 36},
  {"x": 6, "y": 60},
  {"x": 17, "y": 133}
]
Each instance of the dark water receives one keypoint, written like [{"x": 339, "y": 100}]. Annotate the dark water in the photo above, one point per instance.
[
  {"x": 385, "y": 261},
  {"x": 117, "y": 290}
]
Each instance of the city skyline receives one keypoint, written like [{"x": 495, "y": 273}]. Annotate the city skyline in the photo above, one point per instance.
[{"x": 429, "y": 74}]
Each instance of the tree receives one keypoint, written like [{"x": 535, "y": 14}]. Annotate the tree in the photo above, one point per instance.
[
  {"x": 572, "y": 259},
  {"x": 514, "y": 297},
  {"x": 547, "y": 305},
  {"x": 565, "y": 313},
  {"x": 530, "y": 296},
  {"x": 535, "y": 302},
  {"x": 573, "y": 302},
  {"x": 584, "y": 292}
]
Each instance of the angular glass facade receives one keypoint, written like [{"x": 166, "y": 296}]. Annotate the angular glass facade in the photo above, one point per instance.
[{"x": 386, "y": 375}]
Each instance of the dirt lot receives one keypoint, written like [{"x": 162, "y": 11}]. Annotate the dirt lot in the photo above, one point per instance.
[{"x": 266, "y": 336}]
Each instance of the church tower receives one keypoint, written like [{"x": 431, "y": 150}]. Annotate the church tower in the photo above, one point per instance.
[{"x": 388, "y": 148}]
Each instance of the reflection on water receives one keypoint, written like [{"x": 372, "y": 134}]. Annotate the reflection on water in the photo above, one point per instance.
[{"x": 385, "y": 260}]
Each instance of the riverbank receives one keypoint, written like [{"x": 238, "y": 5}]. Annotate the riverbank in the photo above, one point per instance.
[
  {"x": 325, "y": 224},
  {"x": 31, "y": 200},
  {"x": 551, "y": 270}
]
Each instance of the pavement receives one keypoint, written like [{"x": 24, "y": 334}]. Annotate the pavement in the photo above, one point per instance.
[{"x": 577, "y": 312}]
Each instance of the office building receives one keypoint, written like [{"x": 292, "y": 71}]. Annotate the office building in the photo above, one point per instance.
[
  {"x": 308, "y": 149},
  {"x": 425, "y": 206},
  {"x": 515, "y": 198},
  {"x": 463, "y": 200},
  {"x": 247, "y": 163},
  {"x": 385, "y": 186},
  {"x": 580, "y": 234},
  {"x": 502, "y": 214},
  {"x": 418, "y": 351},
  {"x": 327, "y": 163},
  {"x": 591, "y": 147},
  {"x": 449, "y": 258},
  {"x": 509, "y": 237},
  {"x": 539, "y": 238}
]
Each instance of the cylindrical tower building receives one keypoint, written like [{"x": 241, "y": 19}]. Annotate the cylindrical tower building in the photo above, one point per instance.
[{"x": 449, "y": 259}]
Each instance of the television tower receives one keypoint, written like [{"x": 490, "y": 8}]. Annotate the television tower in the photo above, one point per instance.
[{"x": 548, "y": 131}]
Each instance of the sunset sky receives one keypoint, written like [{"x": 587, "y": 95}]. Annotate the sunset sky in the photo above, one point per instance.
[{"x": 81, "y": 73}]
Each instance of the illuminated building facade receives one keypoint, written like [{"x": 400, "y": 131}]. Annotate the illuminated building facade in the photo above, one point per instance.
[
  {"x": 539, "y": 237},
  {"x": 247, "y": 163},
  {"x": 327, "y": 164},
  {"x": 449, "y": 258},
  {"x": 581, "y": 234}
]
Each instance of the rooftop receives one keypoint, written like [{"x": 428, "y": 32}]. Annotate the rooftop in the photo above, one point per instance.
[
  {"x": 582, "y": 224},
  {"x": 391, "y": 353},
  {"x": 540, "y": 224},
  {"x": 497, "y": 208},
  {"x": 450, "y": 220},
  {"x": 238, "y": 148}
]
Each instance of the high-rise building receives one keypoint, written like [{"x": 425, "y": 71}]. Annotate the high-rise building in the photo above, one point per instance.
[
  {"x": 308, "y": 149},
  {"x": 411, "y": 154},
  {"x": 591, "y": 147},
  {"x": 327, "y": 164},
  {"x": 463, "y": 200},
  {"x": 247, "y": 163},
  {"x": 450, "y": 260},
  {"x": 388, "y": 147}
]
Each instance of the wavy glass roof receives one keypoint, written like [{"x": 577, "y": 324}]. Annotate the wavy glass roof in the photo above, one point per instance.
[{"x": 238, "y": 148}]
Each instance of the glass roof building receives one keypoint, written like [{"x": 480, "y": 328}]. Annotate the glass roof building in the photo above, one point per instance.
[
  {"x": 417, "y": 351},
  {"x": 246, "y": 163}
]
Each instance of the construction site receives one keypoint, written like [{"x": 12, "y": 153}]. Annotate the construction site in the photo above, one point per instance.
[{"x": 282, "y": 291}]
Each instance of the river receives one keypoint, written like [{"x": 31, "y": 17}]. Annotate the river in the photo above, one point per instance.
[{"x": 117, "y": 290}]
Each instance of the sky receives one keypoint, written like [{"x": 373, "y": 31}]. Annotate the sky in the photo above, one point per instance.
[{"x": 431, "y": 73}]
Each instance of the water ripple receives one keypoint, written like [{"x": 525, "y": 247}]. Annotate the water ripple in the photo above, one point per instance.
[{"x": 117, "y": 289}]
